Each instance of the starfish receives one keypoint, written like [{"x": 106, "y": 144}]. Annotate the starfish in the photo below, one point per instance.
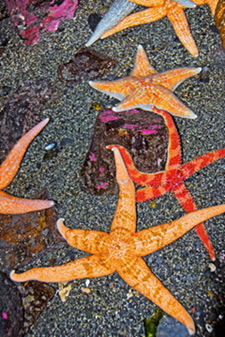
[
  {"x": 118, "y": 11},
  {"x": 146, "y": 88},
  {"x": 174, "y": 176},
  {"x": 122, "y": 249},
  {"x": 8, "y": 169},
  {"x": 159, "y": 9}
]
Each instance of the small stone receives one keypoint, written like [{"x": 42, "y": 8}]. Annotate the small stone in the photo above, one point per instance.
[
  {"x": 86, "y": 290},
  {"x": 50, "y": 146},
  {"x": 212, "y": 267},
  {"x": 64, "y": 291},
  {"x": 96, "y": 106},
  {"x": 208, "y": 327},
  {"x": 152, "y": 204}
]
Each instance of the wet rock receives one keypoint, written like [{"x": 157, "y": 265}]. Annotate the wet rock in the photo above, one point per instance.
[
  {"x": 27, "y": 236},
  {"x": 35, "y": 296},
  {"x": 142, "y": 133},
  {"x": 21, "y": 112},
  {"x": 93, "y": 20},
  {"x": 86, "y": 64},
  {"x": 21, "y": 305},
  {"x": 169, "y": 327},
  {"x": 11, "y": 308}
]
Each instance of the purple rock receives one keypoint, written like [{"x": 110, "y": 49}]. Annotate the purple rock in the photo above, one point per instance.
[{"x": 27, "y": 18}]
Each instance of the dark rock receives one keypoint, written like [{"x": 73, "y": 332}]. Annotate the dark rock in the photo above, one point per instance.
[
  {"x": 23, "y": 237},
  {"x": 93, "y": 20},
  {"x": 169, "y": 327},
  {"x": 86, "y": 64},
  {"x": 11, "y": 308},
  {"x": 142, "y": 133},
  {"x": 22, "y": 112},
  {"x": 35, "y": 297}
]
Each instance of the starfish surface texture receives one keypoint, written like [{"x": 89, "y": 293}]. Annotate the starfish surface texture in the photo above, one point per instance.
[
  {"x": 8, "y": 169},
  {"x": 146, "y": 88},
  {"x": 159, "y": 9},
  {"x": 122, "y": 249},
  {"x": 174, "y": 176}
]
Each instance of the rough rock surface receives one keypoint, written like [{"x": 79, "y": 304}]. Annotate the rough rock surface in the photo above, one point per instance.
[{"x": 142, "y": 133}]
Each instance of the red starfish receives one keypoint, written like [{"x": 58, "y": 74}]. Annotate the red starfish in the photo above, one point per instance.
[
  {"x": 8, "y": 169},
  {"x": 172, "y": 179}
]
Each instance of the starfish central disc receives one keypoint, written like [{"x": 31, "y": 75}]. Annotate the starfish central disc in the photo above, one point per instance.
[{"x": 119, "y": 244}]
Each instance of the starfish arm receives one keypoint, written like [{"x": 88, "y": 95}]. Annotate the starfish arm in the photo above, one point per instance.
[
  {"x": 150, "y": 240},
  {"x": 200, "y": 162},
  {"x": 182, "y": 29},
  {"x": 11, "y": 164},
  {"x": 154, "y": 3},
  {"x": 172, "y": 78},
  {"x": 145, "y": 16},
  {"x": 137, "y": 176},
  {"x": 150, "y": 193},
  {"x": 87, "y": 267},
  {"x": 13, "y": 205},
  {"x": 185, "y": 199},
  {"x": 137, "y": 274},
  {"x": 148, "y": 3},
  {"x": 86, "y": 240},
  {"x": 118, "y": 10},
  {"x": 157, "y": 96},
  {"x": 154, "y": 180},
  {"x": 142, "y": 66},
  {"x": 164, "y": 99},
  {"x": 118, "y": 89},
  {"x": 174, "y": 149},
  {"x": 212, "y": 5},
  {"x": 125, "y": 215}
]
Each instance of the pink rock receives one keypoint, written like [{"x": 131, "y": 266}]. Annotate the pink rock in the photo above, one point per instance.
[
  {"x": 102, "y": 185},
  {"x": 107, "y": 115},
  {"x": 147, "y": 132},
  {"x": 92, "y": 157},
  {"x": 59, "y": 13},
  {"x": 4, "y": 315},
  {"x": 29, "y": 24}
]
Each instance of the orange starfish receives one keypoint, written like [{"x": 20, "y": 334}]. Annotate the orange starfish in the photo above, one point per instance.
[
  {"x": 146, "y": 88},
  {"x": 158, "y": 9},
  {"x": 122, "y": 249},
  {"x": 172, "y": 179},
  {"x": 8, "y": 169}
]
